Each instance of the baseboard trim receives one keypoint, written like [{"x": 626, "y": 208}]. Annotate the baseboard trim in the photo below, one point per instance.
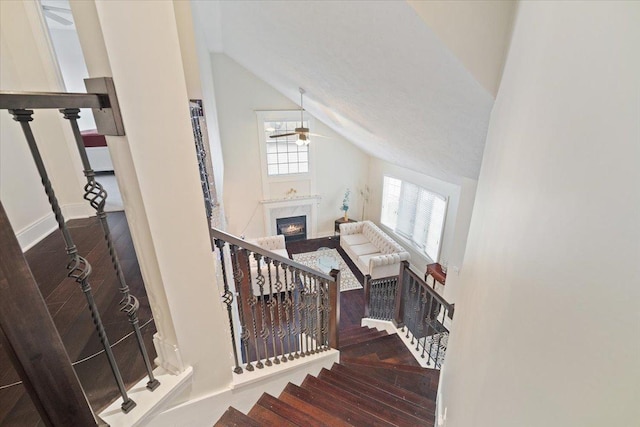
[
  {"x": 36, "y": 231},
  {"x": 32, "y": 234},
  {"x": 149, "y": 403}
]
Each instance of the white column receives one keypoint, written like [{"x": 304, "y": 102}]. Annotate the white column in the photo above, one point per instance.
[{"x": 137, "y": 43}]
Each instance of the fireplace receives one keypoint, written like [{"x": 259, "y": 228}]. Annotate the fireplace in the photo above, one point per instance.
[{"x": 293, "y": 228}]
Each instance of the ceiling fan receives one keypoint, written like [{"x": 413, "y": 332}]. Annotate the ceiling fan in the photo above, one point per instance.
[{"x": 302, "y": 132}]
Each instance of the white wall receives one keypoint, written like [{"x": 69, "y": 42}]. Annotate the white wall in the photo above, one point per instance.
[
  {"x": 74, "y": 71},
  {"x": 476, "y": 31},
  {"x": 27, "y": 64},
  {"x": 339, "y": 164},
  {"x": 547, "y": 328},
  {"x": 460, "y": 205}
]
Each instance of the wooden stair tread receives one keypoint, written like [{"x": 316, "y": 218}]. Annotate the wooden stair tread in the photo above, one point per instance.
[
  {"x": 388, "y": 346},
  {"x": 377, "y": 393},
  {"x": 383, "y": 385},
  {"x": 267, "y": 417},
  {"x": 234, "y": 418},
  {"x": 357, "y": 339},
  {"x": 343, "y": 410},
  {"x": 375, "y": 408},
  {"x": 348, "y": 332},
  {"x": 313, "y": 411},
  {"x": 418, "y": 384},
  {"x": 287, "y": 411},
  {"x": 404, "y": 368}
]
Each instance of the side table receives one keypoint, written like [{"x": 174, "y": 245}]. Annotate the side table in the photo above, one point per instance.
[
  {"x": 435, "y": 275},
  {"x": 341, "y": 221}
]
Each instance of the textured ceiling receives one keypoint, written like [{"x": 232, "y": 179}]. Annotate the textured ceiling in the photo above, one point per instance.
[{"x": 373, "y": 71}]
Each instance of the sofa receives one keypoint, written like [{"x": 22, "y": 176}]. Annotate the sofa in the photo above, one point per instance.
[
  {"x": 371, "y": 250},
  {"x": 276, "y": 245}
]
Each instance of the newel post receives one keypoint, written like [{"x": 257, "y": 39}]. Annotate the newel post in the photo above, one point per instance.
[
  {"x": 367, "y": 294},
  {"x": 334, "y": 303},
  {"x": 32, "y": 342},
  {"x": 399, "y": 306}
]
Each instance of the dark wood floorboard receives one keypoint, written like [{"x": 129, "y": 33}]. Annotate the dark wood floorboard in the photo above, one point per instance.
[{"x": 68, "y": 308}]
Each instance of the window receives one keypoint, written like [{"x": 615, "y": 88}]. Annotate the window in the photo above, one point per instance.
[
  {"x": 415, "y": 214},
  {"x": 284, "y": 156}
]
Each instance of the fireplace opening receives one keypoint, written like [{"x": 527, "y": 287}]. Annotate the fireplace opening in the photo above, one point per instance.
[{"x": 293, "y": 228}]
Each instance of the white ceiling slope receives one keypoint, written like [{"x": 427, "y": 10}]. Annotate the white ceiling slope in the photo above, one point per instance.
[{"x": 373, "y": 71}]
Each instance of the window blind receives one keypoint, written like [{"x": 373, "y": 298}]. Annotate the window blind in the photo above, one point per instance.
[{"x": 414, "y": 213}]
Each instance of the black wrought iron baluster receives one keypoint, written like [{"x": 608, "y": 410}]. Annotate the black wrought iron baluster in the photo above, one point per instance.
[
  {"x": 325, "y": 310},
  {"x": 405, "y": 302},
  {"x": 304, "y": 319},
  {"x": 95, "y": 194},
  {"x": 79, "y": 268},
  {"x": 252, "y": 301},
  {"x": 436, "y": 364},
  {"x": 387, "y": 299},
  {"x": 422, "y": 295},
  {"x": 296, "y": 309},
  {"x": 430, "y": 329},
  {"x": 227, "y": 298},
  {"x": 308, "y": 307},
  {"x": 409, "y": 304},
  {"x": 272, "y": 311},
  {"x": 288, "y": 306},
  {"x": 238, "y": 275},
  {"x": 264, "y": 328},
  {"x": 281, "y": 332},
  {"x": 312, "y": 313}
]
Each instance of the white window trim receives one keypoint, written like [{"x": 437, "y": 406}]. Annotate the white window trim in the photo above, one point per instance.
[
  {"x": 284, "y": 115},
  {"x": 407, "y": 242}
]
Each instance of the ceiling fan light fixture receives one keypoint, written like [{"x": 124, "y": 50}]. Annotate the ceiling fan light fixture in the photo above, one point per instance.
[{"x": 301, "y": 141}]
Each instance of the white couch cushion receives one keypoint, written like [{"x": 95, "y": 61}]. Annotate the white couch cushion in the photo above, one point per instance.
[
  {"x": 364, "y": 249},
  {"x": 364, "y": 259},
  {"x": 354, "y": 239}
]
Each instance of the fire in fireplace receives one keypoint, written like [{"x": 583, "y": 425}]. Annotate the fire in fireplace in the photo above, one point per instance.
[{"x": 293, "y": 228}]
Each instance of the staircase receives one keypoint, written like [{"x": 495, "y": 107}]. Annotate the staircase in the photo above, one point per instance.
[{"x": 377, "y": 383}]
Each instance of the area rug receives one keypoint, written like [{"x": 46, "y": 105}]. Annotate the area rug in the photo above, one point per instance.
[{"x": 348, "y": 281}]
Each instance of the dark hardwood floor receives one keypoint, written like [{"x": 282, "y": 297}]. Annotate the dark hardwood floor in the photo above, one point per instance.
[{"x": 68, "y": 308}]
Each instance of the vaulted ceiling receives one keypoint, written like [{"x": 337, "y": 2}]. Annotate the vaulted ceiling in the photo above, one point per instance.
[{"x": 374, "y": 72}]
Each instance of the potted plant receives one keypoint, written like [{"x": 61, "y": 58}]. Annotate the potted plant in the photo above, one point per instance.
[{"x": 345, "y": 204}]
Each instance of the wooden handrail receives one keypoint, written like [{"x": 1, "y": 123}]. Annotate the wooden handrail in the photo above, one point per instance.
[
  {"x": 233, "y": 240},
  {"x": 430, "y": 290}
]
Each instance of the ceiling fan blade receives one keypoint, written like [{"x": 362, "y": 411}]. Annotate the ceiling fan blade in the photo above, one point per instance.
[
  {"x": 59, "y": 19},
  {"x": 315, "y": 135},
  {"x": 283, "y": 135}
]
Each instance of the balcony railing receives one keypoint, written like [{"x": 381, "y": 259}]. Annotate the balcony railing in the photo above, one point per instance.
[
  {"x": 419, "y": 311},
  {"x": 278, "y": 309},
  {"x": 108, "y": 121}
]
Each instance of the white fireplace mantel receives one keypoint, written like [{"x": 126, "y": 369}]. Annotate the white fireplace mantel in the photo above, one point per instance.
[{"x": 293, "y": 206}]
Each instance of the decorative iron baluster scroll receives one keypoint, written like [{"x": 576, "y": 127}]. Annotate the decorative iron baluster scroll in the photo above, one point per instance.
[
  {"x": 382, "y": 297},
  {"x": 252, "y": 301},
  {"x": 237, "y": 277},
  {"x": 202, "y": 153},
  {"x": 95, "y": 194},
  {"x": 264, "y": 329},
  {"x": 227, "y": 298},
  {"x": 272, "y": 312},
  {"x": 79, "y": 268},
  {"x": 281, "y": 332},
  {"x": 287, "y": 308}
]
